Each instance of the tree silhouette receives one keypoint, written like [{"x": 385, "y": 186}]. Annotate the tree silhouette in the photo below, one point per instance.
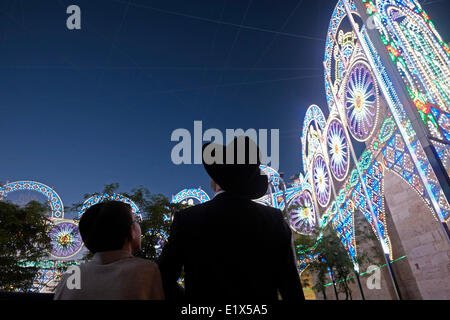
[{"x": 23, "y": 237}]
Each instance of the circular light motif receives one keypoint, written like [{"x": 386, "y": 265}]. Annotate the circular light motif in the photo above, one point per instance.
[
  {"x": 65, "y": 240},
  {"x": 338, "y": 150},
  {"x": 361, "y": 102},
  {"x": 321, "y": 177},
  {"x": 302, "y": 216}
]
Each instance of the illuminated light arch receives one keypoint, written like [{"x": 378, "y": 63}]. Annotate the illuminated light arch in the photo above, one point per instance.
[
  {"x": 415, "y": 32},
  {"x": 109, "y": 197},
  {"x": 436, "y": 120},
  {"x": 421, "y": 58},
  {"x": 64, "y": 236},
  {"x": 313, "y": 125},
  {"x": 396, "y": 142},
  {"x": 55, "y": 201},
  {"x": 186, "y": 194},
  {"x": 435, "y": 76}
]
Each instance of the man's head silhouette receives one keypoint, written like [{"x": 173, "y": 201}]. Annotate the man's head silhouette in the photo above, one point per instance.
[{"x": 235, "y": 167}]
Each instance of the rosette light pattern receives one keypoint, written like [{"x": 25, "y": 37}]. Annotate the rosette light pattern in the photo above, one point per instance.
[
  {"x": 361, "y": 102},
  {"x": 65, "y": 240},
  {"x": 302, "y": 216},
  {"x": 338, "y": 150},
  {"x": 321, "y": 177}
]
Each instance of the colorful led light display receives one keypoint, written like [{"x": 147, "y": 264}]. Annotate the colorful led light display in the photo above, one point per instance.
[
  {"x": 361, "y": 101},
  {"x": 302, "y": 215},
  {"x": 338, "y": 150},
  {"x": 65, "y": 240},
  {"x": 55, "y": 201},
  {"x": 98, "y": 198},
  {"x": 186, "y": 195}
]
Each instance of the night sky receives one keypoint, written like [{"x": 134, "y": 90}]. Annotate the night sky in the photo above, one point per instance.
[{"x": 85, "y": 108}]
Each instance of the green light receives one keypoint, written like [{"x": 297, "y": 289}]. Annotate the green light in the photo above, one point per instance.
[{"x": 361, "y": 274}]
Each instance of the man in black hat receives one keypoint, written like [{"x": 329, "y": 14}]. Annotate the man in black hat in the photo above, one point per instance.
[{"x": 231, "y": 247}]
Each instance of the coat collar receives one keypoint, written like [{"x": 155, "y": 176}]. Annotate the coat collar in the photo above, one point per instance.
[
  {"x": 106, "y": 257},
  {"x": 218, "y": 192}
]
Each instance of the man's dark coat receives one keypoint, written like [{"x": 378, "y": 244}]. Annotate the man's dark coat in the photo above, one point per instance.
[{"x": 230, "y": 248}]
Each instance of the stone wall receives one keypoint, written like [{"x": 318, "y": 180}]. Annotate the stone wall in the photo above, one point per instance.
[{"x": 419, "y": 235}]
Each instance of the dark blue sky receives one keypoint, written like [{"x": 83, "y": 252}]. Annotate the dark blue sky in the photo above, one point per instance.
[{"x": 81, "y": 109}]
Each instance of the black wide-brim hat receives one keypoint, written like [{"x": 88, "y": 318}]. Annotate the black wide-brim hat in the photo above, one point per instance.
[{"x": 235, "y": 167}]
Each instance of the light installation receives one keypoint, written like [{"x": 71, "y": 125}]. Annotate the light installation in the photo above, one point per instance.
[
  {"x": 65, "y": 239},
  {"x": 49, "y": 272},
  {"x": 56, "y": 205},
  {"x": 338, "y": 150},
  {"x": 361, "y": 101},
  {"x": 368, "y": 104},
  {"x": 162, "y": 239},
  {"x": 313, "y": 123},
  {"x": 190, "y": 196},
  {"x": 302, "y": 215},
  {"x": 371, "y": 103},
  {"x": 374, "y": 178},
  {"x": 422, "y": 60},
  {"x": 274, "y": 178},
  {"x": 322, "y": 182},
  {"x": 421, "y": 57},
  {"x": 98, "y": 198}
]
